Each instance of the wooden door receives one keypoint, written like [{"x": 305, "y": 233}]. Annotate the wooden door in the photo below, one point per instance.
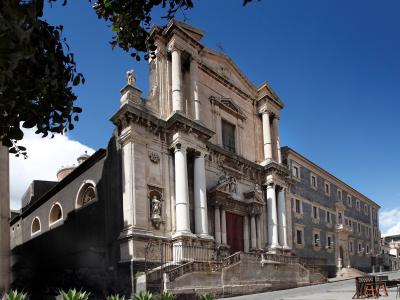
[{"x": 234, "y": 232}]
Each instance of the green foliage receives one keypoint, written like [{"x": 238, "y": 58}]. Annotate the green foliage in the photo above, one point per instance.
[
  {"x": 36, "y": 76},
  {"x": 73, "y": 294},
  {"x": 115, "y": 297},
  {"x": 144, "y": 296},
  {"x": 15, "y": 295},
  {"x": 131, "y": 21},
  {"x": 167, "y": 295},
  {"x": 207, "y": 296}
]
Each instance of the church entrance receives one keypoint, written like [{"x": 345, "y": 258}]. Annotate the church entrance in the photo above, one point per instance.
[{"x": 234, "y": 232}]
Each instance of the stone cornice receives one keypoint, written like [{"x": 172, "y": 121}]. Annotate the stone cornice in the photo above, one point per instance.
[
  {"x": 225, "y": 82},
  {"x": 178, "y": 122},
  {"x": 128, "y": 114}
]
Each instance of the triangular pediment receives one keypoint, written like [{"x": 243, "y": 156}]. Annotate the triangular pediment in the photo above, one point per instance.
[
  {"x": 229, "y": 106},
  {"x": 227, "y": 69},
  {"x": 193, "y": 32}
]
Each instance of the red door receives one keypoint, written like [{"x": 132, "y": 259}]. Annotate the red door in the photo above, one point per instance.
[{"x": 234, "y": 232}]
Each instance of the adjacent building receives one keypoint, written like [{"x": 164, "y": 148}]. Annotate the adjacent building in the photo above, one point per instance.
[{"x": 194, "y": 182}]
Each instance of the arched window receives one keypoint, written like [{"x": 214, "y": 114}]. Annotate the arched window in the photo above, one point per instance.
[
  {"x": 56, "y": 213},
  {"x": 36, "y": 226},
  {"x": 86, "y": 194}
]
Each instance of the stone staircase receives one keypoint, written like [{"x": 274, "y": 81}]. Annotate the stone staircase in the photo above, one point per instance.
[{"x": 238, "y": 274}]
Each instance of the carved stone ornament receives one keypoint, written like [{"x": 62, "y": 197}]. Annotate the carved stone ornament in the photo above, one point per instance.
[
  {"x": 154, "y": 157},
  {"x": 227, "y": 184}
]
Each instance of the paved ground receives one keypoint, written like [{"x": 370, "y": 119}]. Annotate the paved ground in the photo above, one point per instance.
[{"x": 338, "y": 290}]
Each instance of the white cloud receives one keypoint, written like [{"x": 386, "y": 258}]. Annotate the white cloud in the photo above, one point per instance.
[
  {"x": 45, "y": 157},
  {"x": 390, "y": 221}
]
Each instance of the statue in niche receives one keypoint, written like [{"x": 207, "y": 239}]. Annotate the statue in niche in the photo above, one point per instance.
[
  {"x": 131, "y": 78},
  {"x": 156, "y": 211}
]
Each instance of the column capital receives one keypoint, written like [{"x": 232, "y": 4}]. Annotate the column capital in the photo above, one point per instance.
[
  {"x": 179, "y": 147},
  {"x": 200, "y": 154},
  {"x": 174, "y": 45},
  {"x": 270, "y": 184}
]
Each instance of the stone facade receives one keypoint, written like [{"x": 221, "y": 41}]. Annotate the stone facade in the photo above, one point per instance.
[
  {"x": 323, "y": 205},
  {"x": 195, "y": 165}
]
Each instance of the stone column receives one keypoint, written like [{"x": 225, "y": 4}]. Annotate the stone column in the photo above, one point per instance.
[
  {"x": 258, "y": 224},
  {"x": 253, "y": 231},
  {"x": 266, "y": 136},
  {"x": 195, "y": 88},
  {"x": 200, "y": 196},
  {"x": 217, "y": 218},
  {"x": 272, "y": 217},
  {"x": 128, "y": 175},
  {"x": 282, "y": 218},
  {"x": 223, "y": 226},
  {"x": 177, "y": 102},
  {"x": 275, "y": 124},
  {"x": 181, "y": 191},
  {"x": 246, "y": 233},
  {"x": 4, "y": 220}
]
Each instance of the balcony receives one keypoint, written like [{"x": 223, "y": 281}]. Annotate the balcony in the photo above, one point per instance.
[{"x": 344, "y": 228}]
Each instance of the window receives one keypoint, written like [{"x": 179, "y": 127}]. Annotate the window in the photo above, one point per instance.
[
  {"x": 299, "y": 237},
  {"x": 350, "y": 223},
  {"x": 313, "y": 181},
  {"x": 367, "y": 249},
  {"x": 339, "y": 195},
  {"x": 316, "y": 240},
  {"x": 298, "y": 206},
  {"x": 315, "y": 212},
  {"x": 327, "y": 188},
  {"x": 329, "y": 242},
  {"x": 366, "y": 209},
  {"x": 36, "y": 226},
  {"x": 328, "y": 217},
  {"x": 360, "y": 249},
  {"x": 340, "y": 218},
  {"x": 228, "y": 136},
  {"x": 349, "y": 200},
  {"x": 374, "y": 213},
  {"x": 358, "y": 227},
  {"x": 86, "y": 194},
  {"x": 358, "y": 204},
  {"x": 296, "y": 171},
  {"x": 351, "y": 247},
  {"x": 55, "y": 213}
]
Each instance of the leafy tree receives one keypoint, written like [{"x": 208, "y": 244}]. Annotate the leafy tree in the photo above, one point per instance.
[{"x": 37, "y": 71}]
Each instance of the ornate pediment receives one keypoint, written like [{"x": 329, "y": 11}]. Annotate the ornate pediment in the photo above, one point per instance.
[
  {"x": 254, "y": 196},
  {"x": 229, "y": 106},
  {"x": 227, "y": 184}
]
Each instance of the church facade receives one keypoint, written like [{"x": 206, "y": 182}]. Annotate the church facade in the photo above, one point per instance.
[{"x": 196, "y": 165}]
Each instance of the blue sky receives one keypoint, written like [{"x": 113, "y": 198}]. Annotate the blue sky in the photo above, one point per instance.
[{"x": 335, "y": 64}]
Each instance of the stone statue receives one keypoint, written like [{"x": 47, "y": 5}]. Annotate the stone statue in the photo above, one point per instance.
[
  {"x": 131, "y": 78},
  {"x": 156, "y": 206},
  {"x": 156, "y": 211}
]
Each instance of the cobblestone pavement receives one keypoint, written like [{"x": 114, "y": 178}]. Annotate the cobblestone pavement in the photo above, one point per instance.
[{"x": 338, "y": 290}]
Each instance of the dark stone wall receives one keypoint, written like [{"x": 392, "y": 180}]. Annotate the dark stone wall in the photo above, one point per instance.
[
  {"x": 318, "y": 197},
  {"x": 82, "y": 251}
]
